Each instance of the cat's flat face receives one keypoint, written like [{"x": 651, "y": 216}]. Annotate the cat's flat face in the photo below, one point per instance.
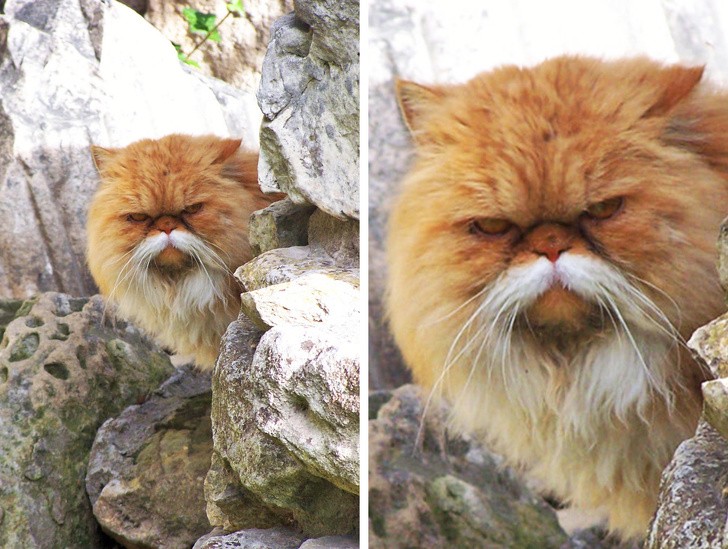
[
  {"x": 164, "y": 208},
  {"x": 562, "y": 199}
]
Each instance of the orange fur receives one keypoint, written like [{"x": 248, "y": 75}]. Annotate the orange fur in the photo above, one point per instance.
[
  {"x": 200, "y": 191},
  {"x": 516, "y": 329}
]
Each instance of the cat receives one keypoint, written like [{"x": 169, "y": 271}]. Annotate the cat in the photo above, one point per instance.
[
  {"x": 550, "y": 249},
  {"x": 166, "y": 228}
]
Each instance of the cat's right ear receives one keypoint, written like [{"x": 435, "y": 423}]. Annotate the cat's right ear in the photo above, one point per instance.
[
  {"x": 101, "y": 156},
  {"x": 415, "y": 101}
]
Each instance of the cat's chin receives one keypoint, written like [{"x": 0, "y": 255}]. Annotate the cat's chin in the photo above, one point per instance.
[
  {"x": 559, "y": 310},
  {"x": 172, "y": 260}
]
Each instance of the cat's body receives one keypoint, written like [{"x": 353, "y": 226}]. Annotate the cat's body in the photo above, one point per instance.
[
  {"x": 166, "y": 229},
  {"x": 553, "y": 241}
]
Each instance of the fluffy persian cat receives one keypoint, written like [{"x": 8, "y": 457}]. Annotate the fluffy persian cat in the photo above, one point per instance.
[
  {"x": 166, "y": 228},
  {"x": 551, "y": 248}
]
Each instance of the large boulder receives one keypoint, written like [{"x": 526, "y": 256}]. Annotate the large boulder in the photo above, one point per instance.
[
  {"x": 692, "y": 508},
  {"x": 66, "y": 365},
  {"x": 147, "y": 466},
  {"x": 432, "y": 488},
  {"x": 309, "y": 95},
  {"x": 72, "y": 73}
]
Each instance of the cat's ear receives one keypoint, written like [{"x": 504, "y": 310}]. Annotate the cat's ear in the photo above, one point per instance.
[
  {"x": 101, "y": 156},
  {"x": 675, "y": 84},
  {"x": 415, "y": 101},
  {"x": 226, "y": 148}
]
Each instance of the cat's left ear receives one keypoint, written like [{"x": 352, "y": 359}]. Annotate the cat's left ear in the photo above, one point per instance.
[
  {"x": 676, "y": 83},
  {"x": 226, "y": 149},
  {"x": 101, "y": 156},
  {"x": 416, "y": 101}
]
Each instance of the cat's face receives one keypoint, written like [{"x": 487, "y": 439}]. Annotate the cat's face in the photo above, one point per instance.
[
  {"x": 165, "y": 208},
  {"x": 560, "y": 202}
]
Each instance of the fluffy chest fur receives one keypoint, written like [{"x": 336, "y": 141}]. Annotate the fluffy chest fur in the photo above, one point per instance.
[{"x": 188, "y": 315}]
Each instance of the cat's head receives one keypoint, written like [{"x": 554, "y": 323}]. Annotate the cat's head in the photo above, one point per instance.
[
  {"x": 170, "y": 206},
  {"x": 557, "y": 202}
]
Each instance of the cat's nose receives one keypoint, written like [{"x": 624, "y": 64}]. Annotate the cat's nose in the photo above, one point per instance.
[
  {"x": 166, "y": 224},
  {"x": 550, "y": 240}
]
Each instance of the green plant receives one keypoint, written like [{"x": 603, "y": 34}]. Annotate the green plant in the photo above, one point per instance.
[{"x": 206, "y": 25}]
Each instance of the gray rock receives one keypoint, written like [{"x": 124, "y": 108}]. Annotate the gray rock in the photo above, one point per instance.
[
  {"x": 271, "y": 538},
  {"x": 66, "y": 365},
  {"x": 331, "y": 542},
  {"x": 309, "y": 95},
  {"x": 313, "y": 299},
  {"x": 280, "y": 225},
  {"x": 333, "y": 251},
  {"x": 285, "y": 422},
  {"x": 432, "y": 488},
  {"x": 147, "y": 466},
  {"x": 723, "y": 255},
  {"x": 71, "y": 74},
  {"x": 710, "y": 343},
  {"x": 692, "y": 507}
]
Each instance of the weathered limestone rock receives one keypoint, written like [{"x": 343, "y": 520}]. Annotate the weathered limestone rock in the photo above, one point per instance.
[
  {"x": 147, "y": 466},
  {"x": 280, "y": 225},
  {"x": 238, "y": 56},
  {"x": 711, "y": 344},
  {"x": 65, "y": 366},
  {"x": 447, "y": 491},
  {"x": 309, "y": 95},
  {"x": 692, "y": 508},
  {"x": 254, "y": 538},
  {"x": 72, "y": 73},
  {"x": 285, "y": 421},
  {"x": 723, "y": 255}
]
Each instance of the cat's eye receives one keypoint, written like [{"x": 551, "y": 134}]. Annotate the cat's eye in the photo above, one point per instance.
[
  {"x": 138, "y": 217},
  {"x": 490, "y": 226},
  {"x": 605, "y": 209},
  {"x": 194, "y": 208}
]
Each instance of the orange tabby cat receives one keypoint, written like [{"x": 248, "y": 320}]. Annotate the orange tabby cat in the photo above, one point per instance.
[
  {"x": 551, "y": 247},
  {"x": 166, "y": 229}
]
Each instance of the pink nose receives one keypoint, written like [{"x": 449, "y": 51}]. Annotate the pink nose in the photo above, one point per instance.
[
  {"x": 166, "y": 224},
  {"x": 550, "y": 240}
]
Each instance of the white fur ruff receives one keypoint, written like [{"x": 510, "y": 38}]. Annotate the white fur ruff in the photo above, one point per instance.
[
  {"x": 579, "y": 422},
  {"x": 188, "y": 314}
]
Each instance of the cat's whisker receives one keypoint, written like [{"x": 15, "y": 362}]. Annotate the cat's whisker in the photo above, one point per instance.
[
  {"x": 659, "y": 290},
  {"x": 458, "y": 308}
]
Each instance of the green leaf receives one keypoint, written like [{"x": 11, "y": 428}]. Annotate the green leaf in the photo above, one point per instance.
[
  {"x": 182, "y": 57},
  {"x": 200, "y": 23},
  {"x": 236, "y": 7}
]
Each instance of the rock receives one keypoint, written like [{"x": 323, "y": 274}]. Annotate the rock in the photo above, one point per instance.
[
  {"x": 271, "y": 538},
  {"x": 309, "y": 95},
  {"x": 710, "y": 343},
  {"x": 238, "y": 56},
  {"x": 692, "y": 506},
  {"x": 311, "y": 299},
  {"x": 723, "y": 255},
  {"x": 447, "y": 491},
  {"x": 66, "y": 365},
  {"x": 71, "y": 74},
  {"x": 331, "y": 542},
  {"x": 280, "y": 225},
  {"x": 147, "y": 466},
  {"x": 333, "y": 251},
  {"x": 285, "y": 421}
]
